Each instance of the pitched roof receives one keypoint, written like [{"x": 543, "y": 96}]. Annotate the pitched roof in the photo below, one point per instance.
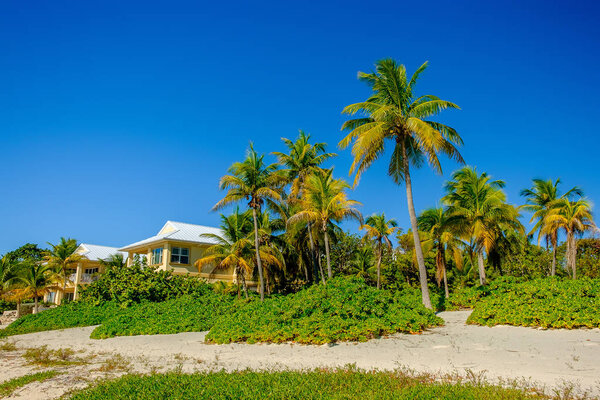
[
  {"x": 94, "y": 252},
  {"x": 179, "y": 231}
]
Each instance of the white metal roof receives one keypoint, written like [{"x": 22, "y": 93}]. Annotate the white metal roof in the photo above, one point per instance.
[
  {"x": 94, "y": 252},
  {"x": 179, "y": 231}
]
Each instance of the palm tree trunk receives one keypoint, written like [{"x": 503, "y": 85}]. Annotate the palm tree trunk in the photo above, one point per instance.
[
  {"x": 553, "y": 269},
  {"x": 482, "y": 279},
  {"x": 244, "y": 285},
  {"x": 329, "y": 271},
  {"x": 313, "y": 253},
  {"x": 413, "y": 223},
  {"x": 35, "y": 304},
  {"x": 321, "y": 267},
  {"x": 446, "y": 291},
  {"x": 258, "y": 261},
  {"x": 572, "y": 253},
  {"x": 379, "y": 267}
]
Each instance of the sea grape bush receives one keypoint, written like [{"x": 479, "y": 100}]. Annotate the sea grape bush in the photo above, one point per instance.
[
  {"x": 184, "y": 314},
  {"x": 346, "y": 309},
  {"x": 545, "y": 302}
]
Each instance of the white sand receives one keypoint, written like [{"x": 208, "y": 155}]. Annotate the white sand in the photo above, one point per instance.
[{"x": 547, "y": 357}]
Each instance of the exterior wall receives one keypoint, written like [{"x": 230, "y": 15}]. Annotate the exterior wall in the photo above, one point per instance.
[{"x": 78, "y": 278}]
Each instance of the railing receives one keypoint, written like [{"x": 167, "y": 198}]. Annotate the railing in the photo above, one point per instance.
[{"x": 85, "y": 278}]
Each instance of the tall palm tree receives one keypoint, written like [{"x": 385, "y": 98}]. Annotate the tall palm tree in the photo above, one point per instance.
[
  {"x": 378, "y": 228},
  {"x": 443, "y": 236},
  {"x": 232, "y": 249},
  {"x": 303, "y": 159},
  {"x": 479, "y": 206},
  {"x": 254, "y": 181},
  {"x": 394, "y": 114},
  {"x": 36, "y": 279},
  {"x": 324, "y": 200},
  {"x": 539, "y": 200},
  {"x": 575, "y": 217},
  {"x": 62, "y": 258}
]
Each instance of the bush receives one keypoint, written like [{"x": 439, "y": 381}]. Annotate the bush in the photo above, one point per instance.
[
  {"x": 545, "y": 302},
  {"x": 346, "y": 309},
  {"x": 7, "y": 306},
  {"x": 184, "y": 314},
  {"x": 137, "y": 283},
  {"x": 67, "y": 316},
  {"x": 305, "y": 385}
]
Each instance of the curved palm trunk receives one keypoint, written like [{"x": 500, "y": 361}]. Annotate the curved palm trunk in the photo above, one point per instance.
[
  {"x": 313, "y": 255},
  {"x": 482, "y": 279},
  {"x": 413, "y": 223},
  {"x": 379, "y": 267},
  {"x": 446, "y": 291},
  {"x": 258, "y": 261},
  {"x": 329, "y": 271},
  {"x": 441, "y": 261}
]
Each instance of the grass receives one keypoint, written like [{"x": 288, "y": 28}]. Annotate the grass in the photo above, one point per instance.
[
  {"x": 115, "y": 363},
  {"x": 306, "y": 385},
  {"x": 346, "y": 309},
  {"x": 45, "y": 357},
  {"x": 8, "y": 387},
  {"x": 7, "y": 345},
  {"x": 544, "y": 302}
]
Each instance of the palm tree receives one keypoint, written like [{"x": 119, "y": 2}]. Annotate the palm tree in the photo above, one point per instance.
[
  {"x": 324, "y": 201},
  {"x": 442, "y": 232},
  {"x": 539, "y": 200},
  {"x": 62, "y": 257},
  {"x": 361, "y": 266},
  {"x": 233, "y": 248},
  {"x": 254, "y": 181},
  {"x": 479, "y": 207},
  {"x": 378, "y": 228},
  {"x": 36, "y": 279},
  {"x": 393, "y": 112},
  {"x": 575, "y": 217},
  {"x": 114, "y": 261},
  {"x": 303, "y": 159}
]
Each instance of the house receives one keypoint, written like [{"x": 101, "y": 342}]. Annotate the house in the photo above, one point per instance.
[
  {"x": 87, "y": 271},
  {"x": 176, "y": 247}
]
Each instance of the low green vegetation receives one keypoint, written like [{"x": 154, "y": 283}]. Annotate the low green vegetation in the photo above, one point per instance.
[
  {"x": 346, "y": 309},
  {"x": 8, "y": 387},
  {"x": 546, "y": 302},
  {"x": 66, "y": 316},
  {"x": 305, "y": 385},
  {"x": 45, "y": 357},
  {"x": 184, "y": 314}
]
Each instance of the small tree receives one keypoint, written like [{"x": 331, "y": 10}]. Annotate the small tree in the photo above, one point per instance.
[{"x": 378, "y": 228}]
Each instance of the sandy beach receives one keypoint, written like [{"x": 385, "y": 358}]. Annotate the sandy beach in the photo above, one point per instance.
[{"x": 550, "y": 358}]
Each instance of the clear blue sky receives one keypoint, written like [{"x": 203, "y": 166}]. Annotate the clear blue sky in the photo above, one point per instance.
[{"x": 116, "y": 116}]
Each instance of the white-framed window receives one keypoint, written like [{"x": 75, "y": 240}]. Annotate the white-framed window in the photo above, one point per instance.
[
  {"x": 157, "y": 256},
  {"x": 69, "y": 296},
  {"x": 180, "y": 255},
  {"x": 91, "y": 271},
  {"x": 51, "y": 297}
]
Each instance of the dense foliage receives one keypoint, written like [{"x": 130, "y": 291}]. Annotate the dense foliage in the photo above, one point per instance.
[
  {"x": 138, "y": 283},
  {"x": 66, "y": 316},
  {"x": 546, "y": 302},
  {"x": 184, "y": 314},
  {"x": 305, "y": 385},
  {"x": 346, "y": 309}
]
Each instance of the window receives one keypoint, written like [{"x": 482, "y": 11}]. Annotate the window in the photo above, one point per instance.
[
  {"x": 91, "y": 271},
  {"x": 51, "y": 297},
  {"x": 157, "y": 256},
  {"x": 180, "y": 255},
  {"x": 68, "y": 297}
]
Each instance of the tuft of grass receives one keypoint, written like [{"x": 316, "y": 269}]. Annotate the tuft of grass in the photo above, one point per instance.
[
  {"x": 8, "y": 387},
  {"x": 46, "y": 357},
  {"x": 347, "y": 384},
  {"x": 7, "y": 345},
  {"x": 115, "y": 363}
]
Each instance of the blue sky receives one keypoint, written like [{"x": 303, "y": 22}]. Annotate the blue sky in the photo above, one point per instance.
[{"x": 119, "y": 115}]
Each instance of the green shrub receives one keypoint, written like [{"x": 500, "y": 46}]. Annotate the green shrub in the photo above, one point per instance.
[
  {"x": 544, "y": 302},
  {"x": 7, "y": 306},
  {"x": 184, "y": 314},
  {"x": 304, "y": 385},
  {"x": 346, "y": 309},
  {"x": 137, "y": 283},
  {"x": 66, "y": 316}
]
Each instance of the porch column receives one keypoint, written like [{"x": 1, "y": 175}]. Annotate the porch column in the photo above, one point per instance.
[
  {"x": 149, "y": 257},
  {"x": 166, "y": 255},
  {"x": 129, "y": 258},
  {"x": 77, "y": 281}
]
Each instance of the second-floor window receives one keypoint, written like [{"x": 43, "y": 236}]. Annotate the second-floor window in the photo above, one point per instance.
[
  {"x": 180, "y": 255},
  {"x": 91, "y": 271},
  {"x": 156, "y": 256}
]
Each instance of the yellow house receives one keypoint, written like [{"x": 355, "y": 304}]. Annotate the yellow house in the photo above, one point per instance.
[
  {"x": 176, "y": 247},
  {"x": 87, "y": 270}
]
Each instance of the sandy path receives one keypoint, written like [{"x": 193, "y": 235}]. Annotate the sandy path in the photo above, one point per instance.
[{"x": 549, "y": 357}]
